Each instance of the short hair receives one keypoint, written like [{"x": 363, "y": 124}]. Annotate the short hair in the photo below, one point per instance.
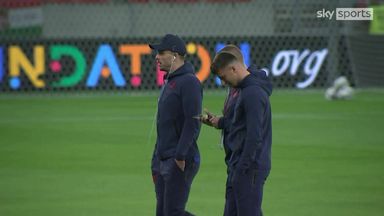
[
  {"x": 234, "y": 50},
  {"x": 222, "y": 60}
]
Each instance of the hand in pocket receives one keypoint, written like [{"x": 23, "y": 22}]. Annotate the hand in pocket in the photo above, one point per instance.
[{"x": 180, "y": 164}]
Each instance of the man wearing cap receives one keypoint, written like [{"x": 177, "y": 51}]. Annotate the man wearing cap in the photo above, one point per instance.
[{"x": 176, "y": 156}]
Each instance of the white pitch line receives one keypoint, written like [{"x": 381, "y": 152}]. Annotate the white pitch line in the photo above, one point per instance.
[
  {"x": 75, "y": 119},
  {"x": 326, "y": 116},
  {"x": 277, "y": 116}
]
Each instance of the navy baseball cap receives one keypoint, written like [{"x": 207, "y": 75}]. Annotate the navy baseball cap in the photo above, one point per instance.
[{"x": 172, "y": 43}]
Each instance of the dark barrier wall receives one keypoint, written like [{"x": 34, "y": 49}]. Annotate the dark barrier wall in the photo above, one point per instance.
[{"x": 128, "y": 64}]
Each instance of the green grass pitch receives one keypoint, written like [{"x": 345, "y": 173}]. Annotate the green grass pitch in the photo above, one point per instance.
[{"x": 89, "y": 155}]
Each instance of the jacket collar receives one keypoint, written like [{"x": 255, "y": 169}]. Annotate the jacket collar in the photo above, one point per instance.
[{"x": 184, "y": 69}]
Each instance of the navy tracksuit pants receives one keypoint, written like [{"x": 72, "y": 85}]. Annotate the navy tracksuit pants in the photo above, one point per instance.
[
  {"x": 172, "y": 186},
  {"x": 244, "y": 192}
]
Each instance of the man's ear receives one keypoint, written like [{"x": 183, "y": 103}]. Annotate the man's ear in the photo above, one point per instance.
[{"x": 234, "y": 69}]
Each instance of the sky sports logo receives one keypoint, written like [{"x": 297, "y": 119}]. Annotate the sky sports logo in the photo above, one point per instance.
[{"x": 346, "y": 14}]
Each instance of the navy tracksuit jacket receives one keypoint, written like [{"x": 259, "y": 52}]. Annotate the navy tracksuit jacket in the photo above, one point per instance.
[
  {"x": 225, "y": 123},
  {"x": 179, "y": 102},
  {"x": 250, "y": 136}
]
